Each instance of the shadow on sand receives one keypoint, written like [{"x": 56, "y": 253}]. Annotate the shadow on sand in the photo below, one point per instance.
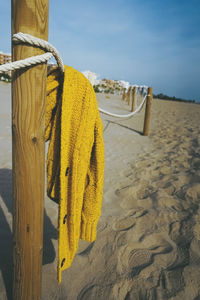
[
  {"x": 124, "y": 126},
  {"x": 6, "y": 257}
]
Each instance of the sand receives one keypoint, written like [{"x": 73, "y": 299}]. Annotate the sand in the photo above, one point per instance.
[{"x": 148, "y": 240}]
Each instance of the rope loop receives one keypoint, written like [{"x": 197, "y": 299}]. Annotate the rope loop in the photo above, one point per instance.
[
  {"x": 27, "y": 62},
  {"x": 42, "y": 44}
]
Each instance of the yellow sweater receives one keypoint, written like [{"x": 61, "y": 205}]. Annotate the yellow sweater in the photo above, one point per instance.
[{"x": 75, "y": 160}]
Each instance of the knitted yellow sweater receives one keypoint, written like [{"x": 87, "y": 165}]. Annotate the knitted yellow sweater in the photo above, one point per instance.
[{"x": 75, "y": 160}]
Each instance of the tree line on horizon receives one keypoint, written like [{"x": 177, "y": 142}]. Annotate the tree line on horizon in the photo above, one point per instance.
[{"x": 165, "y": 97}]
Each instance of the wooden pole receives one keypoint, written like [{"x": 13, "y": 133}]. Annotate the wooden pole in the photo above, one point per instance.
[
  {"x": 129, "y": 94},
  {"x": 124, "y": 95},
  {"x": 28, "y": 151},
  {"x": 133, "y": 98},
  {"x": 148, "y": 111}
]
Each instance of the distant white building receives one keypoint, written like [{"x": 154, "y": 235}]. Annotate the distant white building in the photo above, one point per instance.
[
  {"x": 125, "y": 84},
  {"x": 112, "y": 86},
  {"x": 92, "y": 77}
]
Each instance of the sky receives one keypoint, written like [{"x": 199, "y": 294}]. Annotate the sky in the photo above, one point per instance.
[{"x": 154, "y": 43}]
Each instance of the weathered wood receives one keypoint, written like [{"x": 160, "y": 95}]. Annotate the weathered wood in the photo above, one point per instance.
[
  {"x": 133, "y": 98},
  {"x": 147, "y": 112},
  {"x": 28, "y": 151}
]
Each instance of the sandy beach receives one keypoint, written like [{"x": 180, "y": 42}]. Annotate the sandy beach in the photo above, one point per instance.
[{"x": 148, "y": 240}]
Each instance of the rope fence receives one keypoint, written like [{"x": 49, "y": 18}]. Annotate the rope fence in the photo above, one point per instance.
[
  {"x": 134, "y": 92},
  {"x": 127, "y": 116}
]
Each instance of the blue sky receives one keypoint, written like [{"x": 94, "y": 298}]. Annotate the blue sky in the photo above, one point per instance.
[{"x": 156, "y": 43}]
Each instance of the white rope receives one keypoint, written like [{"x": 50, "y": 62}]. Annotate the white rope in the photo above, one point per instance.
[
  {"x": 125, "y": 116},
  {"x": 26, "y": 62},
  {"x": 31, "y": 40}
]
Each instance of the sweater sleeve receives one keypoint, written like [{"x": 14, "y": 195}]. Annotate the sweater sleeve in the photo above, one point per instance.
[{"x": 92, "y": 200}]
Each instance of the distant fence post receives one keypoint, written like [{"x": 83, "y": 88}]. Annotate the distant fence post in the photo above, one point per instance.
[
  {"x": 148, "y": 111},
  {"x": 124, "y": 95},
  {"x": 129, "y": 94},
  {"x": 133, "y": 98}
]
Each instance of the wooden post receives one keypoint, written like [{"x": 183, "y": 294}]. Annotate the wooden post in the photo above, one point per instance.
[
  {"x": 129, "y": 94},
  {"x": 133, "y": 98},
  {"x": 124, "y": 95},
  {"x": 148, "y": 111},
  {"x": 28, "y": 151}
]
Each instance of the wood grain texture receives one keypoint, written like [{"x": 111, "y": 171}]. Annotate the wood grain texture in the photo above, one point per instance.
[
  {"x": 28, "y": 127},
  {"x": 148, "y": 111}
]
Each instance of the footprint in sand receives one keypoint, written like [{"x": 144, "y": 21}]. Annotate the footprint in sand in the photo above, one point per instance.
[
  {"x": 164, "y": 200},
  {"x": 123, "y": 224},
  {"x": 132, "y": 259},
  {"x": 130, "y": 194},
  {"x": 129, "y": 220},
  {"x": 193, "y": 192},
  {"x": 165, "y": 170},
  {"x": 138, "y": 260}
]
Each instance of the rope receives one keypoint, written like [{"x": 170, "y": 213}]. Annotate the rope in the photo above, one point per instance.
[
  {"x": 125, "y": 116},
  {"x": 26, "y": 62},
  {"x": 33, "y": 41},
  {"x": 42, "y": 44}
]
